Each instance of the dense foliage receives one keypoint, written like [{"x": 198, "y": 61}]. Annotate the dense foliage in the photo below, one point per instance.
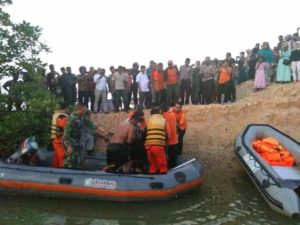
[{"x": 20, "y": 48}]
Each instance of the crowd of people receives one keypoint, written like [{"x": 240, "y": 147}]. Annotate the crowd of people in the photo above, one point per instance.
[
  {"x": 164, "y": 90},
  {"x": 212, "y": 81}
]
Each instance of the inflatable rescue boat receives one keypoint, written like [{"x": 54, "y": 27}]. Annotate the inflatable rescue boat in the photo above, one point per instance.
[{"x": 278, "y": 184}]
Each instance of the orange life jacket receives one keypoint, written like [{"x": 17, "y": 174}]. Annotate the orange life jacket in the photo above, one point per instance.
[{"x": 272, "y": 152}]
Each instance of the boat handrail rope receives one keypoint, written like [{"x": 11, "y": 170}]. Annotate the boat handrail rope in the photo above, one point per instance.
[
  {"x": 254, "y": 157},
  {"x": 263, "y": 171}
]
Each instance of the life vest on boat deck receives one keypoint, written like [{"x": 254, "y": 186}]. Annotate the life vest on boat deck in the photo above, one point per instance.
[{"x": 272, "y": 152}]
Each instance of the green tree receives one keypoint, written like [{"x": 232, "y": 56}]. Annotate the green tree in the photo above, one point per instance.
[{"x": 20, "y": 48}]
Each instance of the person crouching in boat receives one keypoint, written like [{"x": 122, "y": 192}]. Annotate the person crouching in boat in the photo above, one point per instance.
[
  {"x": 59, "y": 120},
  {"x": 137, "y": 149},
  {"x": 117, "y": 151},
  {"x": 157, "y": 134},
  {"x": 72, "y": 135}
]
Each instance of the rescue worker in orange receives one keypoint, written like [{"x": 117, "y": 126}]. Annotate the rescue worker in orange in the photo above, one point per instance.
[
  {"x": 181, "y": 125},
  {"x": 172, "y": 148},
  {"x": 157, "y": 134},
  {"x": 59, "y": 120}
]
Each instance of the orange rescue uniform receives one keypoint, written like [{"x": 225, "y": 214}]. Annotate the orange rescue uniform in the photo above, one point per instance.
[
  {"x": 158, "y": 131},
  {"x": 224, "y": 76},
  {"x": 158, "y": 80},
  {"x": 172, "y": 76},
  {"x": 59, "y": 121},
  {"x": 181, "y": 120},
  {"x": 171, "y": 120}
]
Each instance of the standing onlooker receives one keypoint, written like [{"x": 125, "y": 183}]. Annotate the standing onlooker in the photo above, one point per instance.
[
  {"x": 294, "y": 40},
  {"x": 128, "y": 85},
  {"x": 267, "y": 54},
  {"x": 295, "y": 59},
  {"x": 119, "y": 87},
  {"x": 232, "y": 89},
  {"x": 251, "y": 62},
  {"x": 260, "y": 74},
  {"x": 91, "y": 87},
  {"x": 224, "y": 77},
  {"x": 14, "y": 95},
  {"x": 100, "y": 90},
  {"x": 283, "y": 68},
  {"x": 196, "y": 97},
  {"x": 158, "y": 85},
  {"x": 256, "y": 49},
  {"x": 59, "y": 82},
  {"x": 82, "y": 79},
  {"x": 185, "y": 76},
  {"x": 242, "y": 73},
  {"x": 143, "y": 84},
  {"x": 207, "y": 71},
  {"x": 149, "y": 71},
  {"x": 280, "y": 39},
  {"x": 51, "y": 79},
  {"x": 111, "y": 86},
  {"x": 171, "y": 79},
  {"x": 69, "y": 87},
  {"x": 134, "y": 88}
]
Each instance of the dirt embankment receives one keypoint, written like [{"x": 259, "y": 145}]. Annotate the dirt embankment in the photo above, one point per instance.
[{"x": 213, "y": 128}]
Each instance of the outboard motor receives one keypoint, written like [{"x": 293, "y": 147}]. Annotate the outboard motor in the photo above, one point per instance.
[{"x": 27, "y": 149}]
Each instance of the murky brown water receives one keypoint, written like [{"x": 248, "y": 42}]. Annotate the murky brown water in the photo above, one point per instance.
[{"x": 225, "y": 198}]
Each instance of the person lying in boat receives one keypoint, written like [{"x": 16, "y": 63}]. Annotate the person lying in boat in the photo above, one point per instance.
[{"x": 117, "y": 149}]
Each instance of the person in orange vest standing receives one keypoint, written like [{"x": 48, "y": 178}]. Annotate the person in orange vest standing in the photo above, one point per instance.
[
  {"x": 181, "y": 125},
  {"x": 171, "y": 78},
  {"x": 158, "y": 86},
  {"x": 59, "y": 120},
  {"x": 172, "y": 147},
  {"x": 157, "y": 134}
]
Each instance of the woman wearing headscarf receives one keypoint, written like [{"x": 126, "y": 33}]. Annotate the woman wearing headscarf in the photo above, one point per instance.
[{"x": 284, "y": 70}]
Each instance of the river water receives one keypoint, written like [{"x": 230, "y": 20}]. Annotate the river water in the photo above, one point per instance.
[{"x": 225, "y": 197}]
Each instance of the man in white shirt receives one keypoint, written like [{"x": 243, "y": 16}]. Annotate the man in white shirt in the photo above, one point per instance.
[
  {"x": 143, "y": 84},
  {"x": 100, "y": 90}
]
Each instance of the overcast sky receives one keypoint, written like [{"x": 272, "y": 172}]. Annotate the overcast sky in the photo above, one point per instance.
[{"x": 101, "y": 33}]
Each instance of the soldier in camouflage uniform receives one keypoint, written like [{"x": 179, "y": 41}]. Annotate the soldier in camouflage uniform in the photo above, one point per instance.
[{"x": 73, "y": 133}]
